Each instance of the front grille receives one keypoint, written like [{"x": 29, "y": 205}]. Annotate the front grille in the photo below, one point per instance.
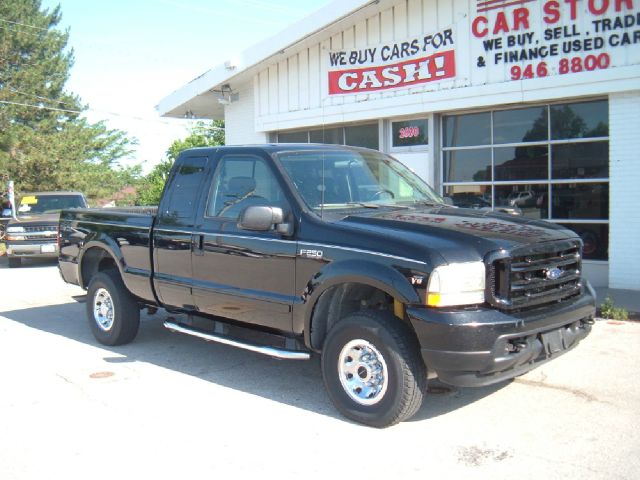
[
  {"x": 534, "y": 276},
  {"x": 40, "y": 232}
]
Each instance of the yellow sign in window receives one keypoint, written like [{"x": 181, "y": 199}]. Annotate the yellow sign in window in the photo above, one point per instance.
[{"x": 32, "y": 200}]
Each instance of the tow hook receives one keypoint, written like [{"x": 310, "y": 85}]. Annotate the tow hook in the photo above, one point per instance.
[
  {"x": 516, "y": 346},
  {"x": 589, "y": 321}
]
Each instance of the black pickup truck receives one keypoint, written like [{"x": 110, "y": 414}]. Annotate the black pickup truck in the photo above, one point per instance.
[{"x": 295, "y": 250}]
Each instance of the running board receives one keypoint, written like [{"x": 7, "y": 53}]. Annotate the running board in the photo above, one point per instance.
[{"x": 212, "y": 337}]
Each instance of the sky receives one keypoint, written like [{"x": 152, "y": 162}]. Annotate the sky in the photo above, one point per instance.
[{"x": 129, "y": 54}]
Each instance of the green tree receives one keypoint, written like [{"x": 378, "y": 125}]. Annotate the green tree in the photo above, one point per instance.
[
  {"x": 45, "y": 143},
  {"x": 202, "y": 134}
]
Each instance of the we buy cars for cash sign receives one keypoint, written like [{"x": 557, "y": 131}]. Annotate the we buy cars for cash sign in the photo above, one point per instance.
[{"x": 394, "y": 65}]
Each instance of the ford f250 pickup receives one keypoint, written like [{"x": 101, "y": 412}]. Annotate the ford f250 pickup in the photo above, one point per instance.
[{"x": 296, "y": 250}]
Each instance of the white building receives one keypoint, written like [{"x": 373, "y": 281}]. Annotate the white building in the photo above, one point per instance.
[{"x": 528, "y": 102}]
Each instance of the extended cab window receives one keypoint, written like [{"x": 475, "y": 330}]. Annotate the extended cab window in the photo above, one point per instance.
[
  {"x": 241, "y": 181},
  {"x": 184, "y": 188}
]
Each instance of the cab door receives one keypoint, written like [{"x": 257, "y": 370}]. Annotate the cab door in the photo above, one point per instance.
[
  {"x": 174, "y": 228},
  {"x": 244, "y": 275}
]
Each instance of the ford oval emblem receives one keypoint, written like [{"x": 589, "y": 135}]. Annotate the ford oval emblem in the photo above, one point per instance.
[{"x": 553, "y": 273}]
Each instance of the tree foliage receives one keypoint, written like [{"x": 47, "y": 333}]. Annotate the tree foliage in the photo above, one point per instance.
[
  {"x": 202, "y": 134},
  {"x": 45, "y": 143}
]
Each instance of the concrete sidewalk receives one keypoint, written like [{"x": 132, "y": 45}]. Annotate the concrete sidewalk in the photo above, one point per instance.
[{"x": 627, "y": 299}]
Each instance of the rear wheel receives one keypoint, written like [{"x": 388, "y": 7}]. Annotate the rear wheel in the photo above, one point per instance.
[
  {"x": 15, "y": 262},
  {"x": 113, "y": 313},
  {"x": 372, "y": 369}
]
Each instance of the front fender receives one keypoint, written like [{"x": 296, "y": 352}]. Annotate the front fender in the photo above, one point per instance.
[{"x": 381, "y": 277}]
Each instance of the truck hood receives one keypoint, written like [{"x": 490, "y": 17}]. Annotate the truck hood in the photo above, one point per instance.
[
  {"x": 36, "y": 219},
  {"x": 457, "y": 234}
]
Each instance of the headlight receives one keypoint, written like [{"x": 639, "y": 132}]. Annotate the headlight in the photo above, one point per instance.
[
  {"x": 15, "y": 229},
  {"x": 456, "y": 284}
]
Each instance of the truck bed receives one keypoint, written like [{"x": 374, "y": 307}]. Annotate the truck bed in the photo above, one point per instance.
[{"x": 125, "y": 231}]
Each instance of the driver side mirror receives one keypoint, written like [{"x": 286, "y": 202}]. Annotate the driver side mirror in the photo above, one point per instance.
[{"x": 260, "y": 218}]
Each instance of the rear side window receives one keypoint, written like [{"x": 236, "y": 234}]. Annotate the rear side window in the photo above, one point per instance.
[{"x": 184, "y": 187}]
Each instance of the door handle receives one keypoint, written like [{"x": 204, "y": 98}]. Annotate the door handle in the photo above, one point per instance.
[{"x": 197, "y": 244}]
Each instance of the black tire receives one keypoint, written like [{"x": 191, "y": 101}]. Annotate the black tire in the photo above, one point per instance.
[
  {"x": 112, "y": 312},
  {"x": 15, "y": 262},
  {"x": 382, "y": 337}
]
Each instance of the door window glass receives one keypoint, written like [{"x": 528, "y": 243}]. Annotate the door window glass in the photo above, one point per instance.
[{"x": 241, "y": 181}]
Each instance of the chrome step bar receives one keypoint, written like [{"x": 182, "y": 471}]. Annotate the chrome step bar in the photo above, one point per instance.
[{"x": 212, "y": 337}]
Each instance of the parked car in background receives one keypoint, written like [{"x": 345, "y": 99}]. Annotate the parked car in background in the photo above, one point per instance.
[
  {"x": 522, "y": 199},
  {"x": 35, "y": 232}
]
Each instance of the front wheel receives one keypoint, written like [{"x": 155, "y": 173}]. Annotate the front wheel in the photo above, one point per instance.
[
  {"x": 372, "y": 369},
  {"x": 113, "y": 313}
]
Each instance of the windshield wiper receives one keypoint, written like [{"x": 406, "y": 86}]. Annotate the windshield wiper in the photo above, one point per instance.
[
  {"x": 429, "y": 203},
  {"x": 365, "y": 205}
]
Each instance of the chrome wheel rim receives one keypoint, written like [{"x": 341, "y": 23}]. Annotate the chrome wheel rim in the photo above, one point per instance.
[
  {"x": 103, "y": 312},
  {"x": 363, "y": 372}
]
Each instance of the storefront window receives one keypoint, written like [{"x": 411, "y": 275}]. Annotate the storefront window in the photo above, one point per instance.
[
  {"x": 362, "y": 136},
  {"x": 469, "y": 165},
  {"x": 547, "y": 162},
  {"x": 467, "y": 130},
  {"x": 410, "y": 133},
  {"x": 529, "y": 200},
  {"x": 580, "y": 160},
  {"x": 580, "y": 120},
  {"x": 521, "y": 163},
  {"x": 521, "y": 125},
  {"x": 354, "y": 135},
  {"x": 334, "y": 136},
  {"x": 293, "y": 137}
]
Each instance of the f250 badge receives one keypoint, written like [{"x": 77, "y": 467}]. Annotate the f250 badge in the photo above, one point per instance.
[{"x": 317, "y": 254}]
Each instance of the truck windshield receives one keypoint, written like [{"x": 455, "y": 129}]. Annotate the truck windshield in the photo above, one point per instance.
[
  {"x": 36, "y": 204},
  {"x": 335, "y": 179}
]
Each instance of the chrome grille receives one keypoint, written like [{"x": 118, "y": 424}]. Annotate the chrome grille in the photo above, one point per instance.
[
  {"x": 534, "y": 276},
  {"x": 40, "y": 232}
]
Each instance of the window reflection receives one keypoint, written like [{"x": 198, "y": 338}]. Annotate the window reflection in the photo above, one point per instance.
[
  {"x": 467, "y": 130},
  {"x": 521, "y": 163},
  {"x": 469, "y": 196},
  {"x": 580, "y": 120},
  {"x": 333, "y": 136},
  {"x": 580, "y": 200},
  {"x": 580, "y": 160},
  {"x": 530, "y": 200},
  {"x": 595, "y": 239},
  {"x": 293, "y": 137},
  {"x": 521, "y": 125},
  {"x": 362, "y": 136},
  {"x": 467, "y": 165}
]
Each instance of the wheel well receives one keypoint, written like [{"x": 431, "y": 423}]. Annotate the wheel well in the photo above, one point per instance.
[
  {"x": 342, "y": 300},
  {"x": 93, "y": 261}
]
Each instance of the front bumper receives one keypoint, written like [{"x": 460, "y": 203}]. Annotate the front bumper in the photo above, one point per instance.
[
  {"x": 482, "y": 346},
  {"x": 32, "y": 249}
]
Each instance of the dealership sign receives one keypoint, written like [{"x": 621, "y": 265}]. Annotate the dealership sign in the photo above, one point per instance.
[
  {"x": 502, "y": 41},
  {"x": 416, "y": 61}
]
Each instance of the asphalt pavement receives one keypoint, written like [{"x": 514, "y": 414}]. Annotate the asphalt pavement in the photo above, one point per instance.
[{"x": 171, "y": 406}]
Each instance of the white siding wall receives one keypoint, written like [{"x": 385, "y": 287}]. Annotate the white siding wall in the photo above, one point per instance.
[
  {"x": 293, "y": 87},
  {"x": 624, "y": 201},
  {"x": 305, "y": 71},
  {"x": 239, "y": 118}
]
